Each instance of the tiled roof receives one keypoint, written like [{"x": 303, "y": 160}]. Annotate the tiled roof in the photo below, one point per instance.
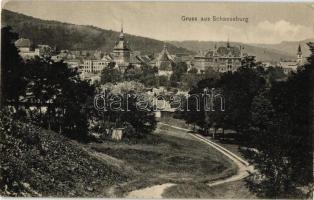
[
  {"x": 134, "y": 59},
  {"x": 288, "y": 64},
  {"x": 164, "y": 55},
  {"x": 145, "y": 59},
  {"x": 221, "y": 52},
  {"x": 22, "y": 42},
  {"x": 107, "y": 57},
  {"x": 231, "y": 51},
  {"x": 121, "y": 44}
]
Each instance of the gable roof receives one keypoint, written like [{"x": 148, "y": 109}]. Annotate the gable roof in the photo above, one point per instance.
[
  {"x": 288, "y": 64},
  {"x": 164, "y": 55},
  {"x": 22, "y": 42},
  {"x": 229, "y": 51}
]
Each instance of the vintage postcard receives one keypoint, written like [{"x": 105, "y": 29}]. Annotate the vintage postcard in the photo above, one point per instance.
[{"x": 144, "y": 100}]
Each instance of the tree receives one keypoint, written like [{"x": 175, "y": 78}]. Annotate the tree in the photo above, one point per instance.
[
  {"x": 193, "y": 71},
  {"x": 163, "y": 81},
  {"x": 129, "y": 116},
  {"x": 190, "y": 80},
  {"x": 178, "y": 70},
  {"x": 210, "y": 73},
  {"x": 275, "y": 74},
  {"x": 293, "y": 98},
  {"x": 194, "y": 111},
  {"x": 281, "y": 135},
  {"x": 261, "y": 130},
  {"x": 239, "y": 89},
  {"x": 110, "y": 74},
  {"x": 143, "y": 121},
  {"x": 270, "y": 143},
  {"x": 149, "y": 76},
  {"x": 1, "y": 87},
  {"x": 132, "y": 74},
  {"x": 12, "y": 68},
  {"x": 235, "y": 91},
  {"x": 58, "y": 89}
]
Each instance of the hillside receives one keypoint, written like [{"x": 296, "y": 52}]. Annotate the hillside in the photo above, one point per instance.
[
  {"x": 261, "y": 53},
  {"x": 81, "y": 37},
  {"x": 42, "y": 163},
  {"x": 289, "y": 47},
  {"x": 77, "y": 37},
  {"x": 38, "y": 162}
]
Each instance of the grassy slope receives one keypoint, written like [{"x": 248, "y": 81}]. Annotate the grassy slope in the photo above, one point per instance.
[
  {"x": 232, "y": 190},
  {"x": 237, "y": 189},
  {"x": 167, "y": 156},
  {"x": 52, "y": 165}
]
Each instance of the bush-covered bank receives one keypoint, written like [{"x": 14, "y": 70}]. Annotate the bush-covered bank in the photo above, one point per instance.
[{"x": 38, "y": 162}]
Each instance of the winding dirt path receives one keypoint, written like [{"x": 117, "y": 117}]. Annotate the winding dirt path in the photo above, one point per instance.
[{"x": 244, "y": 169}]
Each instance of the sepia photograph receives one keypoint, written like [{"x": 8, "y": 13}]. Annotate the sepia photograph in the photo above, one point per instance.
[{"x": 156, "y": 99}]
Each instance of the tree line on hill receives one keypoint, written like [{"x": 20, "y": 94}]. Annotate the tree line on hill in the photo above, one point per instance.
[
  {"x": 272, "y": 119},
  {"x": 77, "y": 37}
]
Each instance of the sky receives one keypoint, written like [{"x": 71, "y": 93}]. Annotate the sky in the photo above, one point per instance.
[{"x": 267, "y": 22}]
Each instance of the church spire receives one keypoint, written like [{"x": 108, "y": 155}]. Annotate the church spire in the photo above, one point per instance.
[
  {"x": 299, "y": 50},
  {"x": 228, "y": 43},
  {"x": 121, "y": 33},
  {"x": 299, "y": 56}
]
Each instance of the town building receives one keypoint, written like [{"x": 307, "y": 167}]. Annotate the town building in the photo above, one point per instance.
[
  {"x": 221, "y": 59},
  {"x": 164, "y": 62},
  {"x": 95, "y": 66},
  {"x": 24, "y": 47},
  {"x": 300, "y": 60},
  {"x": 27, "y": 51},
  {"x": 292, "y": 66},
  {"x": 121, "y": 51},
  {"x": 288, "y": 66},
  {"x": 45, "y": 50},
  {"x": 74, "y": 63}
]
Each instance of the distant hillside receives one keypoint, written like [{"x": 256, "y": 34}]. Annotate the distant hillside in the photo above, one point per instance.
[
  {"x": 289, "y": 47},
  {"x": 261, "y": 53},
  {"x": 77, "y": 37}
]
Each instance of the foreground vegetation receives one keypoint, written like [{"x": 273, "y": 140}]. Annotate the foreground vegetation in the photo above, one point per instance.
[
  {"x": 38, "y": 162},
  {"x": 270, "y": 116},
  {"x": 233, "y": 190},
  {"x": 166, "y": 156},
  {"x": 40, "y": 98}
]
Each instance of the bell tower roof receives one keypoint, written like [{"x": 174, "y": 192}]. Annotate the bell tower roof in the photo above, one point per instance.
[
  {"x": 299, "y": 50},
  {"x": 121, "y": 32},
  {"x": 121, "y": 43}
]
